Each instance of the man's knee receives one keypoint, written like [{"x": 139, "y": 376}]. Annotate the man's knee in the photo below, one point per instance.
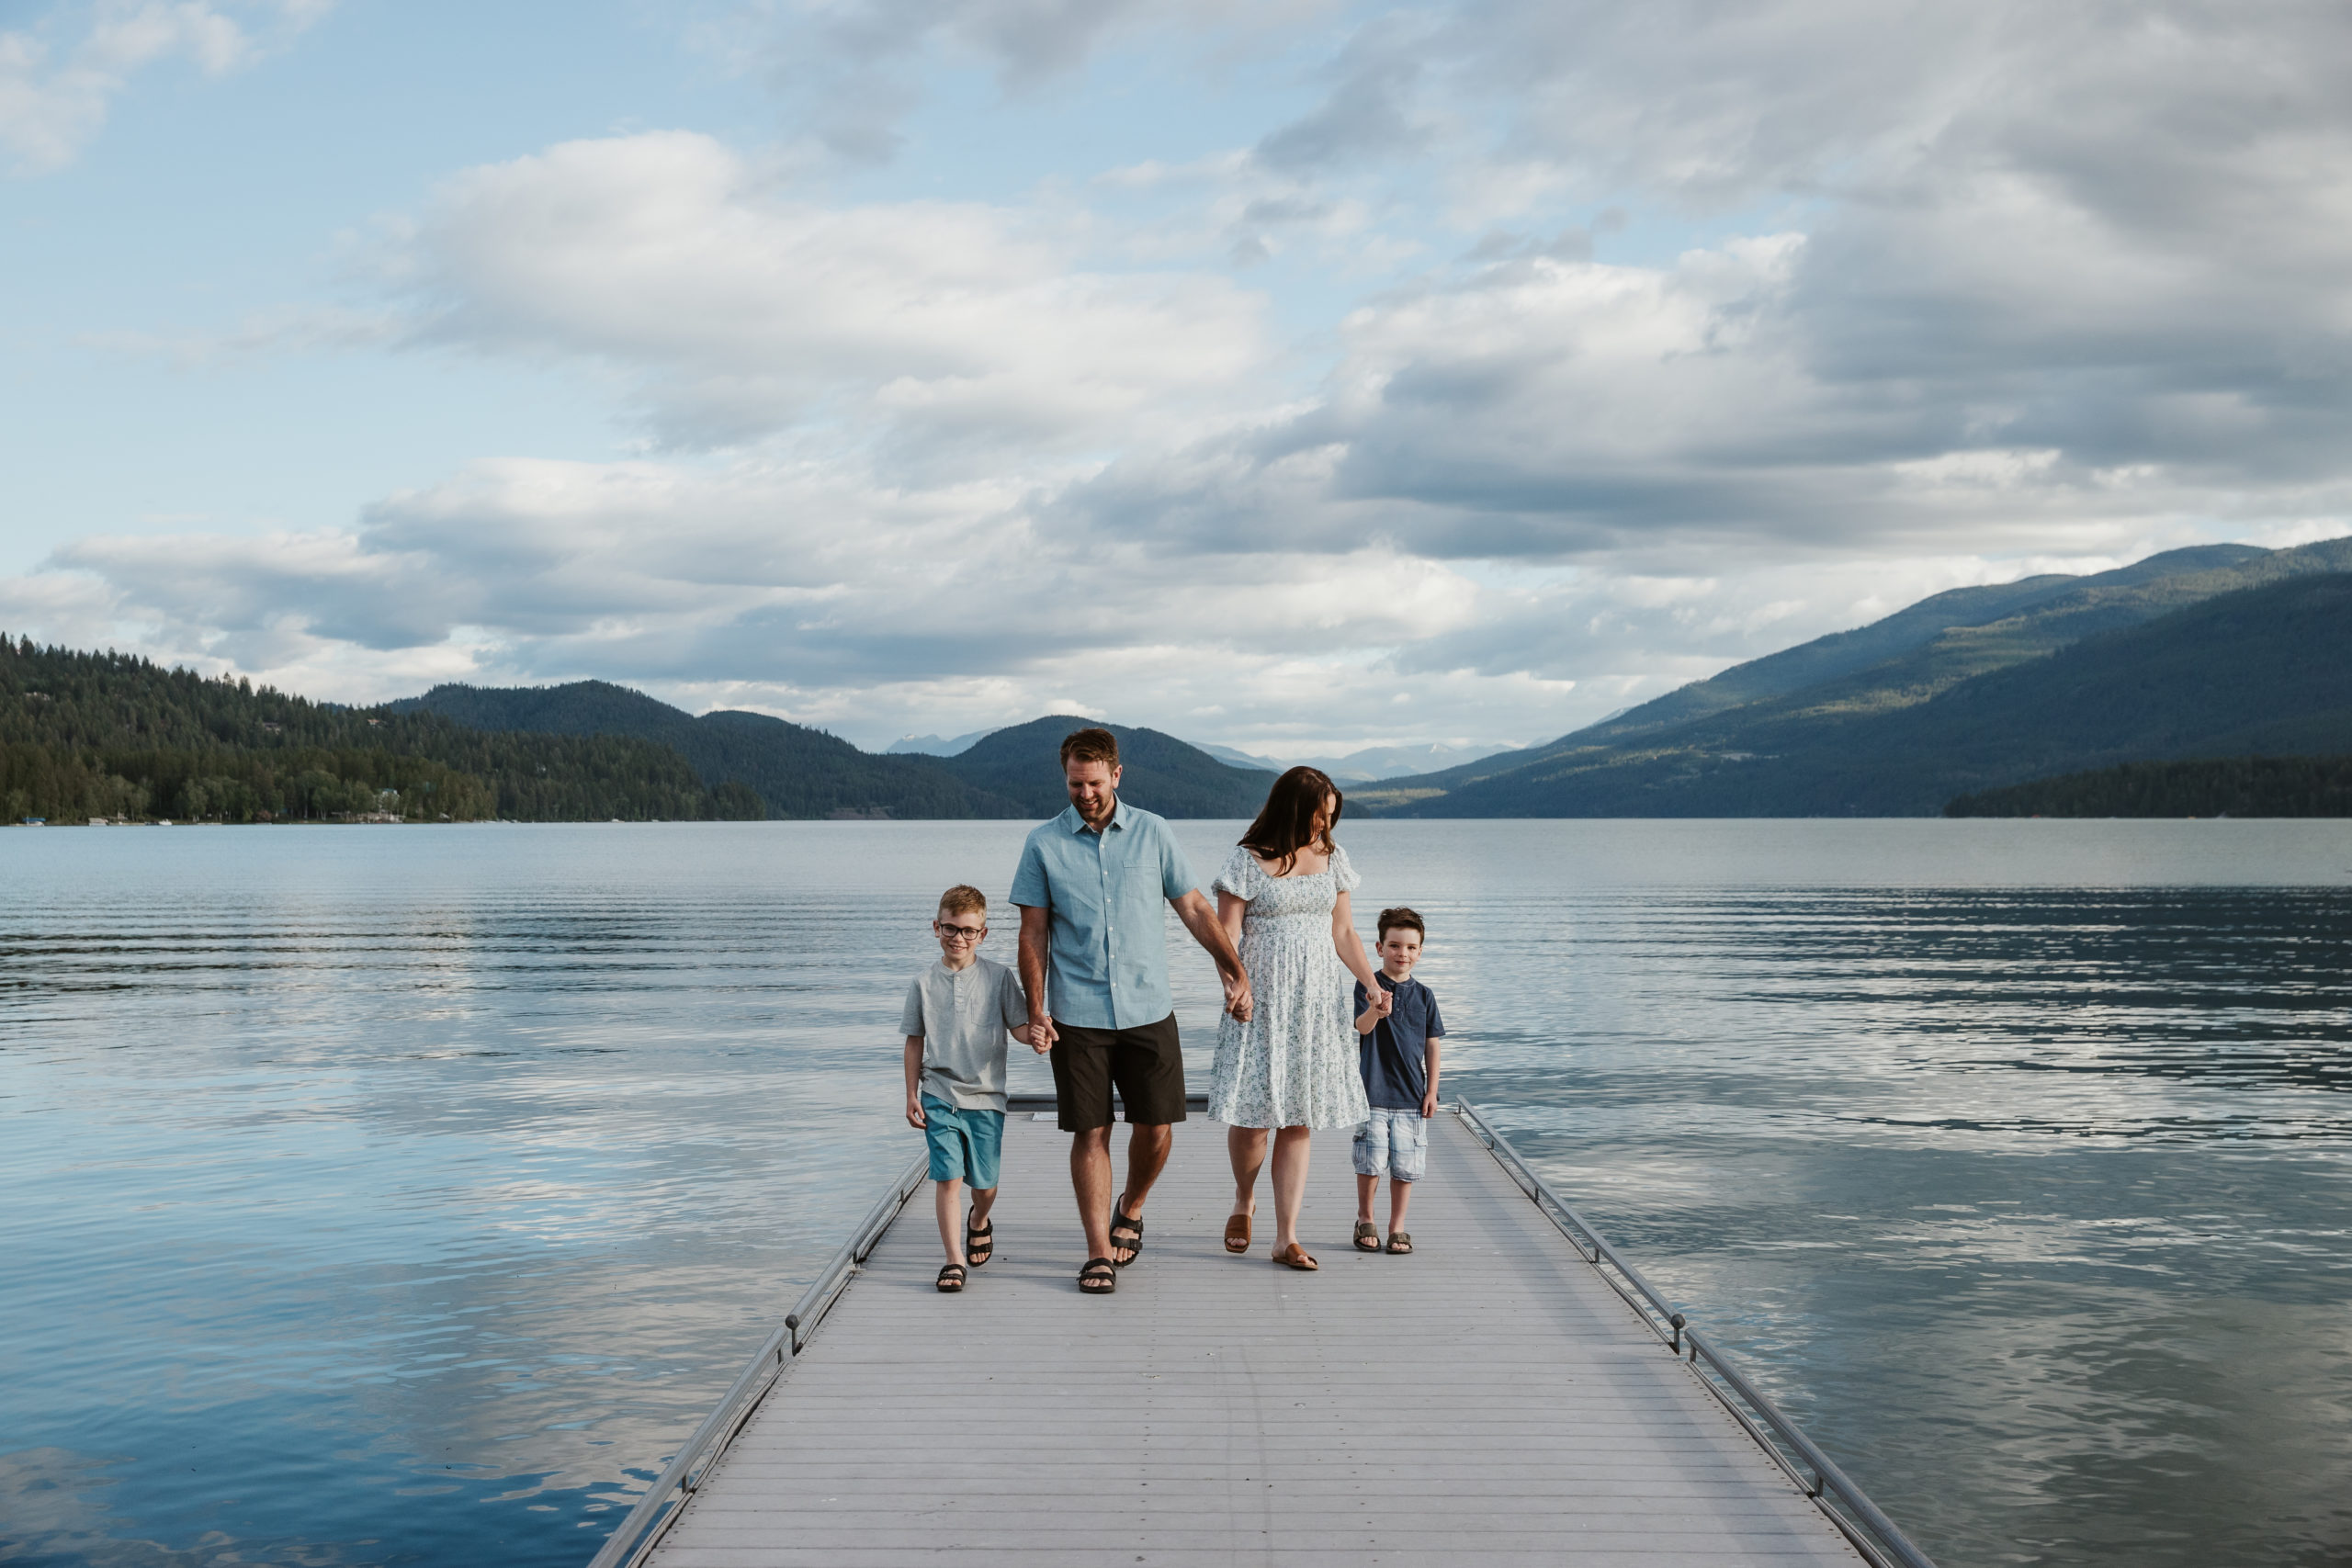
[{"x": 1094, "y": 1140}]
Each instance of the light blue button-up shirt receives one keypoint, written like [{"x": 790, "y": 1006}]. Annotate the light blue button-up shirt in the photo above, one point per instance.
[{"x": 1104, "y": 892}]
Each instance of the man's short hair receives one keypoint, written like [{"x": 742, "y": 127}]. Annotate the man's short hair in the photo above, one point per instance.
[
  {"x": 1091, "y": 745},
  {"x": 1401, "y": 916},
  {"x": 964, "y": 899}
]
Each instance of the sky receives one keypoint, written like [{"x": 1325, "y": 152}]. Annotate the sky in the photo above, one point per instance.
[{"x": 1290, "y": 375}]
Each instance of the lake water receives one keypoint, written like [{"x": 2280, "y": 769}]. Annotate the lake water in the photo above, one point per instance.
[{"x": 404, "y": 1195}]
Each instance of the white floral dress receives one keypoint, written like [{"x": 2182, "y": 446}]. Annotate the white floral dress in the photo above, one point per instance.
[{"x": 1295, "y": 1063}]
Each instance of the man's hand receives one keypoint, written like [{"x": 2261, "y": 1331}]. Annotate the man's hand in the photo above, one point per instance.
[
  {"x": 914, "y": 1111},
  {"x": 1237, "y": 1000},
  {"x": 1042, "y": 1034}
]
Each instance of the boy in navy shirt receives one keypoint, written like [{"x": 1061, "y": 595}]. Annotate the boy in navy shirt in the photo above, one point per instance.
[{"x": 1398, "y": 1058}]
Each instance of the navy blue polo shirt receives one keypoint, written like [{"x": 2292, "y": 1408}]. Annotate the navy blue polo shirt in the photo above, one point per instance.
[{"x": 1396, "y": 1071}]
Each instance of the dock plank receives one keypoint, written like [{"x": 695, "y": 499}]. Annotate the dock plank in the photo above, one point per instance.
[{"x": 1487, "y": 1398}]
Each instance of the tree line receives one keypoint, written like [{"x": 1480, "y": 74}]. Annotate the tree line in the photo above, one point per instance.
[
  {"x": 114, "y": 736},
  {"x": 2226, "y": 786}
]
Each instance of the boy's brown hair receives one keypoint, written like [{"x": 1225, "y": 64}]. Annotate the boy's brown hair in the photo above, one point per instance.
[
  {"x": 1091, "y": 745},
  {"x": 1401, "y": 916},
  {"x": 964, "y": 899}
]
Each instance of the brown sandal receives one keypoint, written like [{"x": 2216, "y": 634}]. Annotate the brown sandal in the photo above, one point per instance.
[
  {"x": 1294, "y": 1256},
  {"x": 1367, "y": 1236},
  {"x": 1400, "y": 1242},
  {"x": 1236, "y": 1232}
]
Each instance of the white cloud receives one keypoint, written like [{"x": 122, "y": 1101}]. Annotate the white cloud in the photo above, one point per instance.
[
  {"x": 734, "y": 311},
  {"x": 1965, "y": 290},
  {"x": 59, "y": 76}
]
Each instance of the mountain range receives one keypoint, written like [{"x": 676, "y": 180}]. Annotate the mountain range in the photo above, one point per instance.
[
  {"x": 800, "y": 772},
  {"x": 2225, "y": 650},
  {"x": 2193, "y": 656},
  {"x": 1367, "y": 765}
]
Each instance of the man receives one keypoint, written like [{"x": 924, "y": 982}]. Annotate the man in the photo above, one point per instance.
[{"x": 1089, "y": 889}]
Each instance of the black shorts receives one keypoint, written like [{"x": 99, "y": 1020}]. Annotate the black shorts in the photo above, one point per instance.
[{"x": 1145, "y": 1062}]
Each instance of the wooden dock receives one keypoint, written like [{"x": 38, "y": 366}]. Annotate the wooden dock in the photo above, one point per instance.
[{"x": 1491, "y": 1397}]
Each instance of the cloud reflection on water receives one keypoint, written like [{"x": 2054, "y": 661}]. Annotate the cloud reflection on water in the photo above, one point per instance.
[{"x": 449, "y": 1174}]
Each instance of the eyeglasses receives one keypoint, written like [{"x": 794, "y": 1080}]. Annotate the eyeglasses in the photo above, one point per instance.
[{"x": 959, "y": 933}]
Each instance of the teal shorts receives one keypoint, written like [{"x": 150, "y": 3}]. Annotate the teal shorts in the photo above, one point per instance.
[{"x": 964, "y": 1145}]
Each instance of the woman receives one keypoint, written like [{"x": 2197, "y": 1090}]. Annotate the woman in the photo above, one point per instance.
[{"x": 1283, "y": 897}]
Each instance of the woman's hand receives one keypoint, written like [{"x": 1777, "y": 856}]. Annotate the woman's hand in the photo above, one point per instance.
[
  {"x": 1237, "y": 1000},
  {"x": 1382, "y": 1002}
]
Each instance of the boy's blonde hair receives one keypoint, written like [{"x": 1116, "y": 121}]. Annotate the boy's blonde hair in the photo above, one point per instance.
[{"x": 964, "y": 899}]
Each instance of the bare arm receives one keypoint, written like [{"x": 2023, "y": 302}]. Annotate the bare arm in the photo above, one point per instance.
[
  {"x": 1349, "y": 948},
  {"x": 1210, "y": 930},
  {"x": 1034, "y": 933},
  {"x": 914, "y": 1080},
  {"x": 1429, "y": 1094},
  {"x": 1231, "y": 910}
]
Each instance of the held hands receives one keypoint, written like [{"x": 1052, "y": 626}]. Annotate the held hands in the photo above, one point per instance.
[
  {"x": 1237, "y": 1000},
  {"x": 914, "y": 1111},
  {"x": 1038, "y": 1034},
  {"x": 1382, "y": 1002}
]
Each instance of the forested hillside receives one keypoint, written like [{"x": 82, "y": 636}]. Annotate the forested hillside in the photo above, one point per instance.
[
  {"x": 2263, "y": 671},
  {"x": 795, "y": 770},
  {"x": 2228, "y": 787},
  {"x": 799, "y": 772},
  {"x": 86, "y": 734},
  {"x": 1822, "y": 728},
  {"x": 1159, "y": 771}
]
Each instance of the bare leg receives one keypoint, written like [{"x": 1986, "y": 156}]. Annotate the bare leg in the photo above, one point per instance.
[
  {"x": 1148, "y": 1146},
  {"x": 947, "y": 1201},
  {"x": 983, "y": 1200},
  {"x": 1292, "y": 1146},
  {"x": 1246, "y": 1148},
  {"x": 1366, "y": 1185},
  {"x": 1090, "y": 1177},
  {"x": 1399, "y": 1194}
]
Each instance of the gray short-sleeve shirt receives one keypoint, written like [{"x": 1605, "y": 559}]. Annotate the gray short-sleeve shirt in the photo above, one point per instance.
[
  {"x": 963, "y": 1016},
  {"x": 1106, "y": 895}
]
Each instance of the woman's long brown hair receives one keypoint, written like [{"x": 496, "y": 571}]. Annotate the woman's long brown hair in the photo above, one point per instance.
[{"x": 1285, "y": 824}]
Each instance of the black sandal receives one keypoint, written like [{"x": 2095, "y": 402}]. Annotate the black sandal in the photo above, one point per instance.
[
  {"x": 945, "y": 1283},
  {"x": 979, "y": 1245},
  {"x": 1127, "y": 1230},
  {"x": 1098, "y": 1278}
]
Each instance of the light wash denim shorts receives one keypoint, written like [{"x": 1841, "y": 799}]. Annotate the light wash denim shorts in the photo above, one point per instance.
[{"x": 1394, "y": 1142}]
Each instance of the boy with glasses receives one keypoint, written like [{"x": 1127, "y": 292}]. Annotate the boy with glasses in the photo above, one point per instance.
[{"x": 957, "y": 1014}]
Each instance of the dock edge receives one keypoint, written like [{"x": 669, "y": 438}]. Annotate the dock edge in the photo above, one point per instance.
[
  {"x": 1881, "y": 1544},
  {"x": 1877, "y": 1537}
]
